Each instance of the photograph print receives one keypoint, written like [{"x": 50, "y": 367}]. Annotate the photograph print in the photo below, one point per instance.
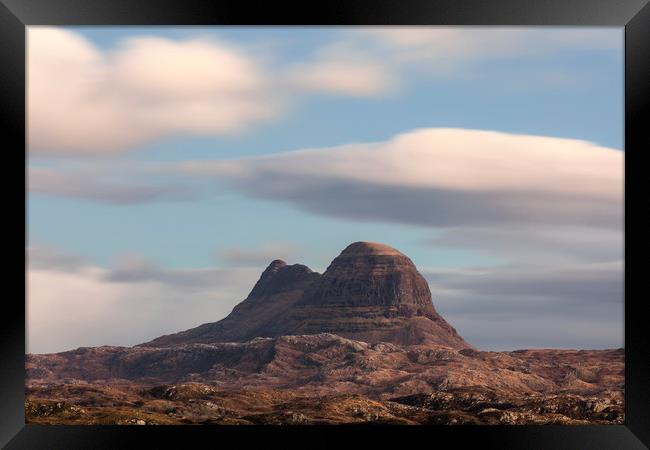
[{"x": 409, "y": 225}]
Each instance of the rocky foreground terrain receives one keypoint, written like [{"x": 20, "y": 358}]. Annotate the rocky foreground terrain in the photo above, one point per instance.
[{"x": 361, "y": 343}]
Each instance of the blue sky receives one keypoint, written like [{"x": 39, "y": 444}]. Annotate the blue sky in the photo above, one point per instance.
[{"x": 117, "y": 187}]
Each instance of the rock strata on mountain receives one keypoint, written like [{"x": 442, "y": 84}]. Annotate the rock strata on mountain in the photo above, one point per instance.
[{"x": 374, "y": 293}]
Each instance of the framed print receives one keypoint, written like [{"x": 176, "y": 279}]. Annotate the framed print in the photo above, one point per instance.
[{"x": 390, "y": 221}]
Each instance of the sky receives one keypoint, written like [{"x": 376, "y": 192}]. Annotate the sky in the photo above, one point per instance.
[{"x": 167, "y": 166}]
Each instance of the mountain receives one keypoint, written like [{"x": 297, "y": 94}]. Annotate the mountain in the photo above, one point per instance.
[
  {"x": 361, "y": 343},
  {"x": 370, "y": 292}
]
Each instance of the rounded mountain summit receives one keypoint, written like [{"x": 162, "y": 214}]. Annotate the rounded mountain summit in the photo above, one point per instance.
[{"x": 371, "y": 292}]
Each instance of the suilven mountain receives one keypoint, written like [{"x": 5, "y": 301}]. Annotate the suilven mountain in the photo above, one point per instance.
[
  {"x": 370, "y": 292},
  {"x": 360, "y": 343}
]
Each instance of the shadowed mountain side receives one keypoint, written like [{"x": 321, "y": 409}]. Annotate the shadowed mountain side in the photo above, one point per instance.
[{"x": 370, "y": 292}]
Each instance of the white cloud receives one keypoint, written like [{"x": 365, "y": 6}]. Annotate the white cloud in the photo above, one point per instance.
[
  {"x": 532, "y": 201},
  {"x": 441, "y": 177},
  {"x": 338, "y": 77},
  {"x": 341, "y": 69},
  {"x": 85, "y": 100},
  {"x": 199, "y": 68}
]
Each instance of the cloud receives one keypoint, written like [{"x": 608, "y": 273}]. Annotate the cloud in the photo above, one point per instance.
[
  {"x": 49, "y": 256},
  {"x": 586, "y": 284},
  {"x": 257, "y": 256},
  {"x": 87, "y": 305},
  {"x": 104, "y": 186},
  {"x": 445, "y": 48},
  {"x": 536, "y": 244},
  {"x": 506, "y": 332},
  {"x": 579, "y": 306},
  {"x": 82, "y": 100},
  {"x": 494, "y": 40},
  {"x": 530, "y": 201},
  {"x": 336, "y": 77},
  {"x": 461, "y": 53},
  {"x": 133, "y": 268},
  {"x": 340, "y": 69},
  {"x": 550, "y": 208},
  {"x": 441, "y": 178}
]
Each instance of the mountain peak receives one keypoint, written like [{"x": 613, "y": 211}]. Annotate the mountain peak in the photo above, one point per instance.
[
  {"x": 370, "y": 292},
  {"x": 363, "y": 248},
  {"x": 279, "y": 276},
  {"x": 368, "y": 274},
  {"x": 273, "y": 268}
]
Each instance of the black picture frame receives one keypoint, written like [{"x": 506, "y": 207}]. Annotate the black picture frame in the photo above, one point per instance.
[{"x": 634, "y": 15}]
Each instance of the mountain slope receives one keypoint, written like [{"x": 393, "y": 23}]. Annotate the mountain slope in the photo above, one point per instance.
[{"x": 260, "y": 315}]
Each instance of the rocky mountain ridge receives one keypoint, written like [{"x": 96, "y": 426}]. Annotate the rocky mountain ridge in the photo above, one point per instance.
[{"x": 370, "y": 292}]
